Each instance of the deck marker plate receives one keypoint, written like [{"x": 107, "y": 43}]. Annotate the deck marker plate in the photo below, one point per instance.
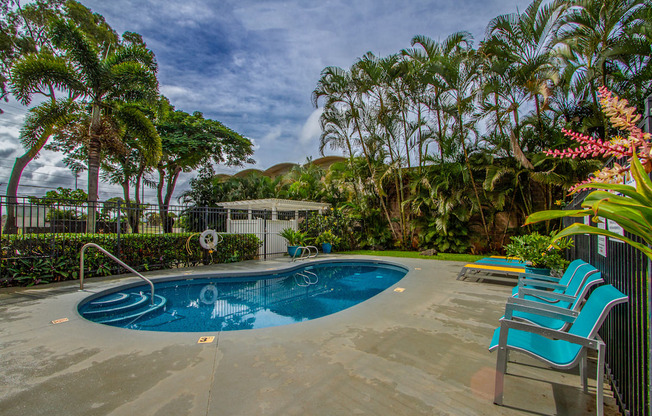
[
  {"x": 205, "y": 340},
  {"x": 59, "y": 321},
  {"x": 417, "y": 268},
  {"x": 399, "y": 289}
]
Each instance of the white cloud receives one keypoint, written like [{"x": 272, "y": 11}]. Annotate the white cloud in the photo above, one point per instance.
[{"x": 311, "y": 129}]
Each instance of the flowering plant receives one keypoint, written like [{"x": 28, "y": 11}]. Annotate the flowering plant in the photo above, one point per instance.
[
  {"x": 536, "y": 249},
  {"x": 629, "y": 206}
]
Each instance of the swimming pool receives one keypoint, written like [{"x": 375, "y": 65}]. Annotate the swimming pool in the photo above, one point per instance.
[{"x": 230, "y": 303}]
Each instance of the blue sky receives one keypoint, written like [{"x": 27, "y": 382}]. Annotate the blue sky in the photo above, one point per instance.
[{"x": 253, "y": 64}]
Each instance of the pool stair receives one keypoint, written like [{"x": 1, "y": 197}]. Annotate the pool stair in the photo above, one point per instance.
[{"x": 123, "y": 307}]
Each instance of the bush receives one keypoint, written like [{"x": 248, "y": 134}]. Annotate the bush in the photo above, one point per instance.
[
  {"x": 44, "y": 258},
  {"x": 339, "y": 224}
]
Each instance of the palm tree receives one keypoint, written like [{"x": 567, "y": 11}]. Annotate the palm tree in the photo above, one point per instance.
[
  {"x": 598, "y": 32},
  {"x": 25, "y": 42},
  {"x": 525, "y": 41},
  {"x": 340, "y": 88},
  {"x": 126, "y": 73},
  {"x": 459, "y": 73}
]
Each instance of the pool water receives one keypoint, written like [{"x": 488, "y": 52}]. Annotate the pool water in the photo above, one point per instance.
[{"x": 229, "y": 304}]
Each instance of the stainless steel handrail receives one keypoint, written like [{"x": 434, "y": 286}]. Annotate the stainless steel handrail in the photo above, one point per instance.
[
  {"x": 112, "y": 257},
  {"x": 302, "y": 250}
]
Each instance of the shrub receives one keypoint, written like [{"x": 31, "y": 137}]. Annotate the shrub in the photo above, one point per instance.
[{"x": 43, "y": 258}]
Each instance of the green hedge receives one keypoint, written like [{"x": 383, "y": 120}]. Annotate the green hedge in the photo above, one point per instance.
[{"x": 43, "y": 258}]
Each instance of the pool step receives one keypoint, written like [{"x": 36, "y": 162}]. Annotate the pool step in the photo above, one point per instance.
[
  {"x": 136, "y": 300},
  {"x": 115, "y": 299},
  {"x": 124, "y": 309}
]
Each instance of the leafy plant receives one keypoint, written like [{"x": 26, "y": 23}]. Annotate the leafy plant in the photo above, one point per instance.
[
  {"x": 42, "y": 258},
  {"x": 328, "y": 237},
  {"x": 539, "y": 251},
  {"x": 629, "y": 206},
  {"x": 293, "y": 237}
]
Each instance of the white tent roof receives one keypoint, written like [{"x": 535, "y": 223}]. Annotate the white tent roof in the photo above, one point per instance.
[{"x": 276, "y": 204}]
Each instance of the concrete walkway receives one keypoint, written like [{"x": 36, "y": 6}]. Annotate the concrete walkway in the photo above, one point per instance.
[{"x": 422, "y": 351}]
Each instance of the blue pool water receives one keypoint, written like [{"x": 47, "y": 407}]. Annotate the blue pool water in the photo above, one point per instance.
[{"x": 229, "y": 304}]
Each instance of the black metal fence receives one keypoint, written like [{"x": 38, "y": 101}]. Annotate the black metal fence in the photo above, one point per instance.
[
  {"x": 627, "y": 329},
  {"x": 25, "y": 217}
]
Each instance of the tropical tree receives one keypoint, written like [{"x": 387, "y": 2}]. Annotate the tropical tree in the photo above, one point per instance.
[
  {"x": 126, "y": 74},
  {"x": 600, "y": 37},
  {"x": 523, "y": 43},
  {"x": 191, "y": 142},
  {"x": 25, "y": 43}
]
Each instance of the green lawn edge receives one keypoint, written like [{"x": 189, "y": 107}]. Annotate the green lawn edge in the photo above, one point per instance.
[{"x": 415, "y": 255}]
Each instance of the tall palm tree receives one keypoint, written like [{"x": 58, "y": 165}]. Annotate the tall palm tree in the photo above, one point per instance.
[
  {"x": 340, "y": 89},
  {"x": 525, "y": 40},
  {"x": 599, "y": 33},
  {"x": 459, "y": 73},
  {"x": 126, "y": 73}
]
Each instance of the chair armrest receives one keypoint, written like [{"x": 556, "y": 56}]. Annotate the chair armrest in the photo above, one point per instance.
[
  {"x": 540, "y": 284},
  {"x": 545, "y": 295},
  {"x": 535, "y": 276},
  {"x": 507, "y": 324},
  {"x": 538, "y": 308}
]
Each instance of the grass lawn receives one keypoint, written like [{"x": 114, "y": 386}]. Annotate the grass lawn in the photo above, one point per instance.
[{"x": 416, "y": 255}]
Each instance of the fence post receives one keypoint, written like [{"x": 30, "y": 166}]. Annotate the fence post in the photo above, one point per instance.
[
  {"x": 265, "y": 235},
  {"x": 119, "y": 226}
]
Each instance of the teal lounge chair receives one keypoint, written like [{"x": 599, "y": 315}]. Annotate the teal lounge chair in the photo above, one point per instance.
[
  {"x": 532, "y": 301},
  {"x": 575, "y": 268},
  {"x": 559, "y": 349}
]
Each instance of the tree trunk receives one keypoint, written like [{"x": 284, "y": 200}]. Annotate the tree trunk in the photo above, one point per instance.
[
  {"x": 468, "y": 165},
  {"x": 378, "y": 186},
  {"x": 94, "y": 149},
  {"x": 164, "y": 200},
  {"x": 14, "y": 180}
]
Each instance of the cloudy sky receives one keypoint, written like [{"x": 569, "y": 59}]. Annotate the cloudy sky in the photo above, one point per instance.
[{"x": 253, "y": 64}]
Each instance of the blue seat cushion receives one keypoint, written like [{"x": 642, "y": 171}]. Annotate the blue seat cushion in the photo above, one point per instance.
[{"x": 556, "y": 352}]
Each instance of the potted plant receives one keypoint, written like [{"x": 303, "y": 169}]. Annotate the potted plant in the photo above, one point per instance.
[
  {"x": 538, "y": 251},
  {"x": 327, "y": 239},
  {"x": 294, "y": 238}
]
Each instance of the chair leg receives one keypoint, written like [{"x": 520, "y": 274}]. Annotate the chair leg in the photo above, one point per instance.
[
  {"x": 501, "y": 366},
  {"x": 583, "y": 372},
  {"x": 599, "y": 380}
]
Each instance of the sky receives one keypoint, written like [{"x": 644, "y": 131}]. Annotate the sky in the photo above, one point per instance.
[{"x": 253, "y": 65}]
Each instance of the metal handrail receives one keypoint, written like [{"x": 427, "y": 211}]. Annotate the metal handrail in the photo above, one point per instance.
[
  {"x": 303, "y": 249},
  {"x": 112, "y": 257}
]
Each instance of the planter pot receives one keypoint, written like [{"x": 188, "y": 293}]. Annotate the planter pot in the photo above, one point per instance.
[
  {"x": 537, "y": 270},
  {"x": 292, "y": 250},
  {"x": 326, "y": 247}
]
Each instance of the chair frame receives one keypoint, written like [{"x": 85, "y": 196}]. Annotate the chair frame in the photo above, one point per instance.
[{"x": 595, "y": 344}]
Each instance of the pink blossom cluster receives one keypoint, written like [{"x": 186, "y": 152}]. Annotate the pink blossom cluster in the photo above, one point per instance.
[
  {"x": 624, "y": 118},
  {"x": 592, "y": 147}
]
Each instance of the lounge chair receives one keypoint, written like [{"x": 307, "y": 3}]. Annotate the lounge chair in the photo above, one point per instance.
[
  {"x": 576, "y": 269},
  {"x": 559, "y": 349},
  {"x": 533, "y": 300},
  {"x": 492, "y": 269},
  {"x": 504, "y": 261}
]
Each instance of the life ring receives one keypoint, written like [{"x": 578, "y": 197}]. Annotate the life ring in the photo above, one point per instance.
[
  {"x": 213, "y": 239},
  {"x": 208, "y": 294}
]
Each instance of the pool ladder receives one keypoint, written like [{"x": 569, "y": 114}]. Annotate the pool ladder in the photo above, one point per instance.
[
  {"x": 305, "y": 252},
  {"x": 309, "y": 278},
  {"x": 112, "y": 257}
]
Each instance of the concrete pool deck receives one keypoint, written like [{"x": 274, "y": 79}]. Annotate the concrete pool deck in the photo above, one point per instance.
[{"x": 420, "y": 351}]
